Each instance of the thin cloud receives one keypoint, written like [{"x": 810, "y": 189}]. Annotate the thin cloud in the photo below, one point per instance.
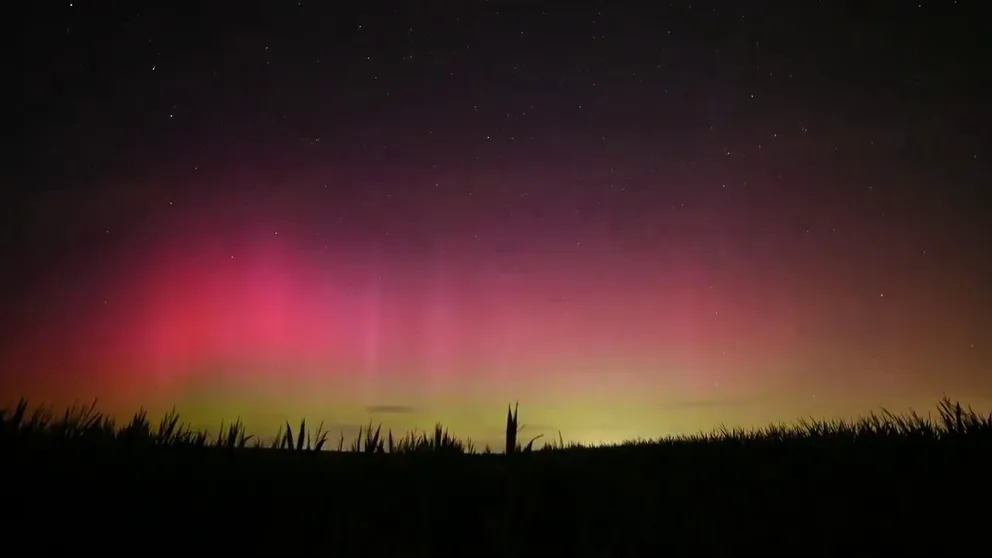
[{"x": 390, "y": 409}]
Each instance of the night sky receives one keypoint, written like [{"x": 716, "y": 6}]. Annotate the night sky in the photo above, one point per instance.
[{"x": 636, "y": 219}]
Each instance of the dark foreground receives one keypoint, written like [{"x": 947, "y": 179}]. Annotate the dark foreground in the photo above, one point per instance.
[{"x": 892, "y": 493}]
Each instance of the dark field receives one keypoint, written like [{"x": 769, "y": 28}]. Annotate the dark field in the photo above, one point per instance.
[{"x": 886, "y": 485}]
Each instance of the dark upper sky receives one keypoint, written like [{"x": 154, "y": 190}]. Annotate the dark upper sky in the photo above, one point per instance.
[
  {"x": 845, "y": 140},
  {"x": 840, "y": 97}
]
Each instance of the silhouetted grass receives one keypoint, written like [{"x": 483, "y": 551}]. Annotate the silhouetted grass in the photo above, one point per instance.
[
  {"x": 83, "y": 423},
  {"x": 878, "y": 485}
]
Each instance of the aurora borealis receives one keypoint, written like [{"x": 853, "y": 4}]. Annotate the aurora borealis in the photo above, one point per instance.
[{"x": 634, "y": 225}]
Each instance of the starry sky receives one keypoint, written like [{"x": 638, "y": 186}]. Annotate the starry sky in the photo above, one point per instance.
[{"x": 637, "y": 219}]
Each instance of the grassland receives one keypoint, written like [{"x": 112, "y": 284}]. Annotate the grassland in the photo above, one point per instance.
[{"x": 883, "y": 485}]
